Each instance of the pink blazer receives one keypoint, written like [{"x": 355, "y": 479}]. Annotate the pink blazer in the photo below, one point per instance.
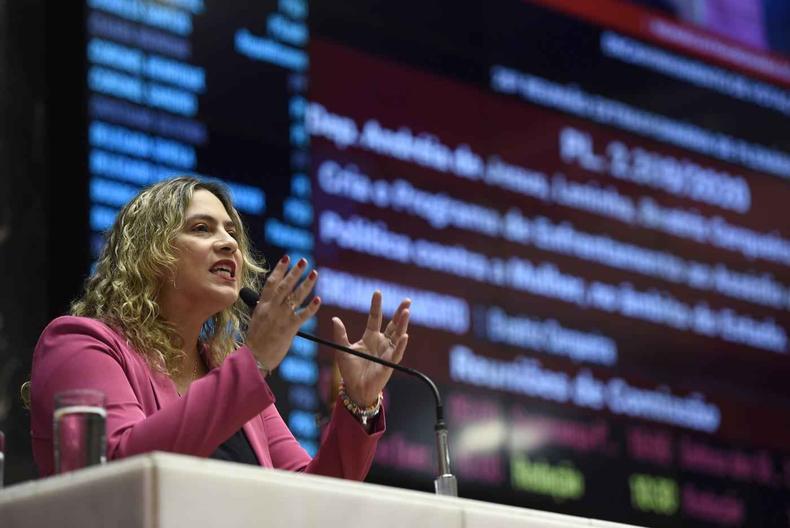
[{"x": 146, "y": 413}]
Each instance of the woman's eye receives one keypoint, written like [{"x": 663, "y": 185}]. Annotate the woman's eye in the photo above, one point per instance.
[{"x": 200, "y": 227}]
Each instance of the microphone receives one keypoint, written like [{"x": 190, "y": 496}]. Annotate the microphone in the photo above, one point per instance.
[{"x": 445, "y": 483}]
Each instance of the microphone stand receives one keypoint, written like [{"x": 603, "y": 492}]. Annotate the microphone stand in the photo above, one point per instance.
[{"x": 445, "y": 483}]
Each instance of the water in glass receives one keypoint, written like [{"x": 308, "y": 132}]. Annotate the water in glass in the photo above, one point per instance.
[{"x": 79, "y": 437}]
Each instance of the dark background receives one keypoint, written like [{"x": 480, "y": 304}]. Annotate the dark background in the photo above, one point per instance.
[{"x": 427, "y": 47}]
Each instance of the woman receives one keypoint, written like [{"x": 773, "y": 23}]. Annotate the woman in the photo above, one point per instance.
[{"x": 159, "y": 329}]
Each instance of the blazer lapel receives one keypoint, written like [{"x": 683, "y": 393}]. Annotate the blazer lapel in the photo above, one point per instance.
[
  {"x": 163, "y": 389},
  {"x": 256, "y": 435}
]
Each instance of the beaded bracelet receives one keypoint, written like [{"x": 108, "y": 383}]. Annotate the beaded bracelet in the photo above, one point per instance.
[{"x": 363, "y": 414}]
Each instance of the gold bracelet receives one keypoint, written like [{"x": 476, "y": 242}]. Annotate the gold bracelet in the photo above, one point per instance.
[{"x": 363, "y": 414}]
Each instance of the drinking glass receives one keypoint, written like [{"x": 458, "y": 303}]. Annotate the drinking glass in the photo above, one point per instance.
[{"x": 79, "y": 429}]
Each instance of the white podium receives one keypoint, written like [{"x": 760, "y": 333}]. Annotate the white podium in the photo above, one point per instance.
[{"x": 161, "y": 490}]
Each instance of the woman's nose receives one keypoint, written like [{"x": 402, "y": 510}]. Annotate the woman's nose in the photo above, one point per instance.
[{"x": 228, "y": 244}]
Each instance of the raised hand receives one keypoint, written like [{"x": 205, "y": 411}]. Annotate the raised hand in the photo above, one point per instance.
[
  {"x": 277, "y": 317},
  {"x": 365, "y": 379}
]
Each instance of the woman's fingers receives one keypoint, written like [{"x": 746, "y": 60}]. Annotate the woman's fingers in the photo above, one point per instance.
[
  {"x": 303, "y": 290},
  {"x": 277, "y": 319},
  {"x": 400, "y": 348},
  {"x": 308, "y": 311},
  {"x": 403, "y": 321},
  {"x": 274, "y": 278},
  {"x": 339, "y": 332},
  {"x": 400, "y": 320},
  {"x": 279, "y": 287},
  {"x": 374, "y": 316},
  {"x": 363, "y": 378},
  {"x": 287, "y": 284}
]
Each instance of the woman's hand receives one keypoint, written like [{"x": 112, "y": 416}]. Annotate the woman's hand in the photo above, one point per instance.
[
  {"x": 365, "y": 379},
  {"x": 276, "y": 318}
]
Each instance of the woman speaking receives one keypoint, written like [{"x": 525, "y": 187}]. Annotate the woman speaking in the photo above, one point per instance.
[{"x": 160, "y": 330}]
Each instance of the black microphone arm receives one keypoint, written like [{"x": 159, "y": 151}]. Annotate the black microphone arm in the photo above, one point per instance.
[{"x": 445, "y": 483}]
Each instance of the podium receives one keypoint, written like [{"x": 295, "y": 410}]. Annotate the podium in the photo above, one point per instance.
[{"x": 162, "y": 490}]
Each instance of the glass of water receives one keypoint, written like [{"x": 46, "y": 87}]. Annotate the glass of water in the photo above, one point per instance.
[{"x": 79, "y": 429}]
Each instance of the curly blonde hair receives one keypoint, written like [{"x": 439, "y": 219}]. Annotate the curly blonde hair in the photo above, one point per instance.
[{"x": 139, "y": 255}]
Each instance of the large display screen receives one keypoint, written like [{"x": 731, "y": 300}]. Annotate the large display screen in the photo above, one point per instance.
[{"x": 587, "y": 205}]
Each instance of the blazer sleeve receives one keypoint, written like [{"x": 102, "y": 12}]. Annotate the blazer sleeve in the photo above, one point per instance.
[
  {"x": 82, "y": 353},
  {"x": 346, "y": 450}
]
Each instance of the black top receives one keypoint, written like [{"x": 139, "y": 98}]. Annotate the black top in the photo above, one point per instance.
[{"x": 236, "y": 449}]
